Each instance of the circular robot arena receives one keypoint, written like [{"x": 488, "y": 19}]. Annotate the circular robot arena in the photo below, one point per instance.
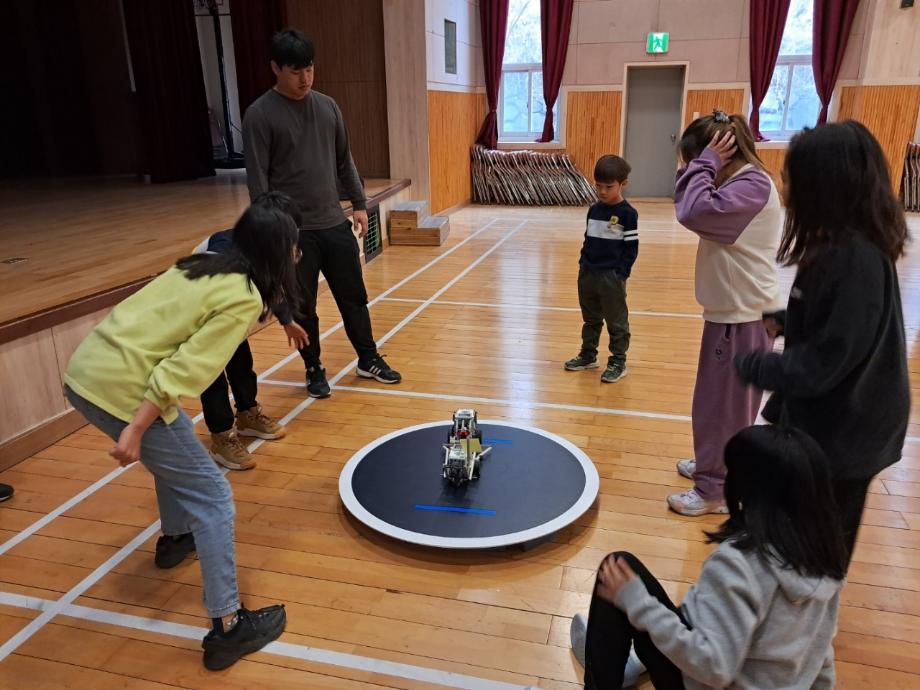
[{"x": 469, "y": 484}]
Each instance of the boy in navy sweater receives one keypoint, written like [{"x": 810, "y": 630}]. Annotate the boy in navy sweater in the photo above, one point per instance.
[{"x": 610, "y": 249}]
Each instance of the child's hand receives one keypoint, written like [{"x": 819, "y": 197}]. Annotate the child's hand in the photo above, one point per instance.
[
  {"x": 613, "y": 575},
  {"x": 774, "y": 327},
  {"x": 296, "y": 335},
  {"x": 724, "y": 146}
]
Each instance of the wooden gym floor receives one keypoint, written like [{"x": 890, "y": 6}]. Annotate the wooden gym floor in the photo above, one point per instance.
[{"x": 484, "y": 321}]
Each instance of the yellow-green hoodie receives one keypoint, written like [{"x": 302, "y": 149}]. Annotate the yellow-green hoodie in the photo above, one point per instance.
[{"x": 168, "y": 341}]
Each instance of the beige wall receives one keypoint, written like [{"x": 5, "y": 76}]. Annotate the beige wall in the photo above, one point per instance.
[
  {"x": 892, "y": 52},
  {"x": 469, "y": 51}
]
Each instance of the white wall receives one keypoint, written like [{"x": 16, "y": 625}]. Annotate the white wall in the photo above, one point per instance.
[{"x": 469, "y": 50}]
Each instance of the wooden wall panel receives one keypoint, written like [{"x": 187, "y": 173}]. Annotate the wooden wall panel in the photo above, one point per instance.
[
  {"x": 351, "y": 67},
  {"x": 704, "y": 101},
  {"x": 454, "y": 120},
  {"x": 890, "y": 112},
  {"x": 773, "y": 159},
  {"x": 592, "y": 126}
]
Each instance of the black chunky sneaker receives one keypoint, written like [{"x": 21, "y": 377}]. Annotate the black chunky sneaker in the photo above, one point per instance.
[
  {"x": 377, "y": 368},
  {"x": 317, "y": 385},
  {"x": 171, "y": 551},
  {"x": 253, "y": 630}
]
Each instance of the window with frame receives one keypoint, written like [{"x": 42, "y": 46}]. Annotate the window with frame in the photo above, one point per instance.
[
  {"x": 521, "y": 108},
  {"x": 792, "y": 101}
]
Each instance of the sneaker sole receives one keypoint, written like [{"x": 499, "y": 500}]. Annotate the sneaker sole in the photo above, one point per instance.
[
  {"x": 369, "y": 375},
  {"x": 255, "y": 433},
  {"x": 5, "y": 498},
  {"x": 686, "y": 512},
  {"x": 170, "y": 566},
  {"x": 319, "y": 396},
  {"x": 681, "y": 472},
  {"x": 593, "y": 365},
  {"x": 618, "y": 378},
  {"x": 222, "y": 662},
  {"x": 220, "y": 460}
]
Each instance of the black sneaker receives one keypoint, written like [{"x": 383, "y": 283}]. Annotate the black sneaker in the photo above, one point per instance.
[
  {"x": 253, "y": 630},
  {"x": 581, "y": 363},
  {"x": 377, "y": 368},
  {"x": 614, "y": 372},
  {"x": 171, "y": 551},
  {"x": 317, "y": 385},
  {"x": 6, "y": 492}
]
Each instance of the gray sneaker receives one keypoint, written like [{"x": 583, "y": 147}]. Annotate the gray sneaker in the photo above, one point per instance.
[
  {"x": 581, "y": 363},
  {"x": 686, "y": 467},
  {"x": 614, "y": 372}
]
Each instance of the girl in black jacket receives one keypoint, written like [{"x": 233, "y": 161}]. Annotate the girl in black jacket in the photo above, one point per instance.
[{"x": 842, "y": 376}]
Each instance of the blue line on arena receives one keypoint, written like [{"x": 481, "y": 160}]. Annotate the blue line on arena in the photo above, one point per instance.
[
  {"x": 456, "y": 509},
  {"x": 495, "y": 441}
]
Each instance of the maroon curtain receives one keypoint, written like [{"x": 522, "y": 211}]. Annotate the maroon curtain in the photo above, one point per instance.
[
  {"x": 555, "y": 24},
  {"x": 254, "y": 22},
  {"x": 768, "y": 19},
  {"x": 833, "y": 21},
  {"x": 493, "y": 15},
  {"x": 175, "y": 132}
]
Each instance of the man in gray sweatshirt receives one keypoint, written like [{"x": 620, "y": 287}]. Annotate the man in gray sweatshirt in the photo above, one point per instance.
[{"x": 296, "y": 142}]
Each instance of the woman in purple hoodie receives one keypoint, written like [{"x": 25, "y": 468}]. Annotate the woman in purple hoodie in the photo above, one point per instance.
[{"x": 726, "y": 197}]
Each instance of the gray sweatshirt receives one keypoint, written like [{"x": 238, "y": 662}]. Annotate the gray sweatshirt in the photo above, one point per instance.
[
  {"x": 755, "y": 625},
  {"x": 301, "y": 148}
]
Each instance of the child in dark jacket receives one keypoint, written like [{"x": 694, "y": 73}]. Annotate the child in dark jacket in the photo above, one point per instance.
[
  {"x": 607, "y": 256},
  {"x": 842, "y": 375}
]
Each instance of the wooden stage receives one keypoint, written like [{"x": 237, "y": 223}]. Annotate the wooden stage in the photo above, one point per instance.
[
  {"x": 484, "y": 321},
  {"x": 85, "y": 237}
]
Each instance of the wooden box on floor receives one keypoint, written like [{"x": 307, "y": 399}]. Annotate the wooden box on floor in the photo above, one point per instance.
[
  {"x": 408, "y": 214},
  {"x": 432, "y": 231}
]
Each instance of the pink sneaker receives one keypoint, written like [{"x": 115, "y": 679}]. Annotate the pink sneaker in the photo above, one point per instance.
[{"x": 691, "y": 504}]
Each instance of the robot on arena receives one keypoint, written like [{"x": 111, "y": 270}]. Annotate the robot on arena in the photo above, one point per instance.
[{"x": 463, "y": 452}]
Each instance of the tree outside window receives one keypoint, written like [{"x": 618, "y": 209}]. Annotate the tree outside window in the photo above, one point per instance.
[
  {"x": 792, "y": 101},
  {"x": 521, "y": 105}
]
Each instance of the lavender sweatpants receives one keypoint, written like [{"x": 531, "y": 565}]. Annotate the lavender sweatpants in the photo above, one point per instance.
[{"x": 722, "y": 404}]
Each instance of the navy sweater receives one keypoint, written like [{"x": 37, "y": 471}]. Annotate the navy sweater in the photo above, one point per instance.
[{"x": 611, "y": 238}]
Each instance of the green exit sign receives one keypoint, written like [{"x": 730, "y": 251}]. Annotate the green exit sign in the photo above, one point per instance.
[{"x": 657, "y": 43}]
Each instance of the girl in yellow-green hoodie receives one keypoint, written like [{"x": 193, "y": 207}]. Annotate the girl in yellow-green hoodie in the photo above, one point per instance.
[{"x": 170, "y": 341}]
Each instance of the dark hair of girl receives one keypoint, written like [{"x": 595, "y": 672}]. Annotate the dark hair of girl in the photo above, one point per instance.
[
  {"x": 264, "y": 239},
  {"x": 701, "y": 131},
  {"x": 838, "y": 188},
  {"x": 780, "y": 502}
]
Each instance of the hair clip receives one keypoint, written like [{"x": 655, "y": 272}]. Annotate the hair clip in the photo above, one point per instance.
[{"x": 719, "y": 116}]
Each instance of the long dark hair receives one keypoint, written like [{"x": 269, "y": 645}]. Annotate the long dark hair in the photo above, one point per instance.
[
  {"x": 700, "y": 132},
  {"x": 264, "y": 239},
  {"x": 838, "y": 188},
  {"x": 780, "y": 502}
]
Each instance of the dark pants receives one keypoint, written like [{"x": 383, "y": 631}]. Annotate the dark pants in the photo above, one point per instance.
[
  {"x": 850, "y": 495},
  {"x": 602, "y": 297},
  {"x": 334, "y": 251},
  {"x": 610, "y": 635},
  {"x": 215, "y": 401}
]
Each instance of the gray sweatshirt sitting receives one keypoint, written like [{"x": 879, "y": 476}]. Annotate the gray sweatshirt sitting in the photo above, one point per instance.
[{"x": 755, "y": 625}]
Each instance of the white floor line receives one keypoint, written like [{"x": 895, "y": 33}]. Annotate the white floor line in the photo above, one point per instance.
[
  {"x": 114, "y": 474},
  {"x": 284, "y": 649},
  {"x": 34, "y": 626},
  {"x": 500, "y": 401},
  {"x": 398, "y": 327},
  {"x": 540, "y": 307},
  {"x": 56, "y": 607}
]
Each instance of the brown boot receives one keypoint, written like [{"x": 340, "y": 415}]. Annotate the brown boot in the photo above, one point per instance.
[
  {"x": 252, "y": 422},
  {"x": 229, "y": 451}
]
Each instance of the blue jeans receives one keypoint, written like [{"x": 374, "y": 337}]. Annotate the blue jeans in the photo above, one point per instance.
[{"x": 193, "y": 496}]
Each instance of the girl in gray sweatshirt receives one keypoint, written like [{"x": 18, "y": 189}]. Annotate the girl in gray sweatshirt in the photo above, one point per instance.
[{"x": 764, "y": 612}]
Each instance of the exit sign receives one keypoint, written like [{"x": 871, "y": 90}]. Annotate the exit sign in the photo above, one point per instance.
[{"x": 657, "y": 43}]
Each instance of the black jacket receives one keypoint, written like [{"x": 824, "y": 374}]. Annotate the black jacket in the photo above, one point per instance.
[{"x": 843, "y": 374}]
